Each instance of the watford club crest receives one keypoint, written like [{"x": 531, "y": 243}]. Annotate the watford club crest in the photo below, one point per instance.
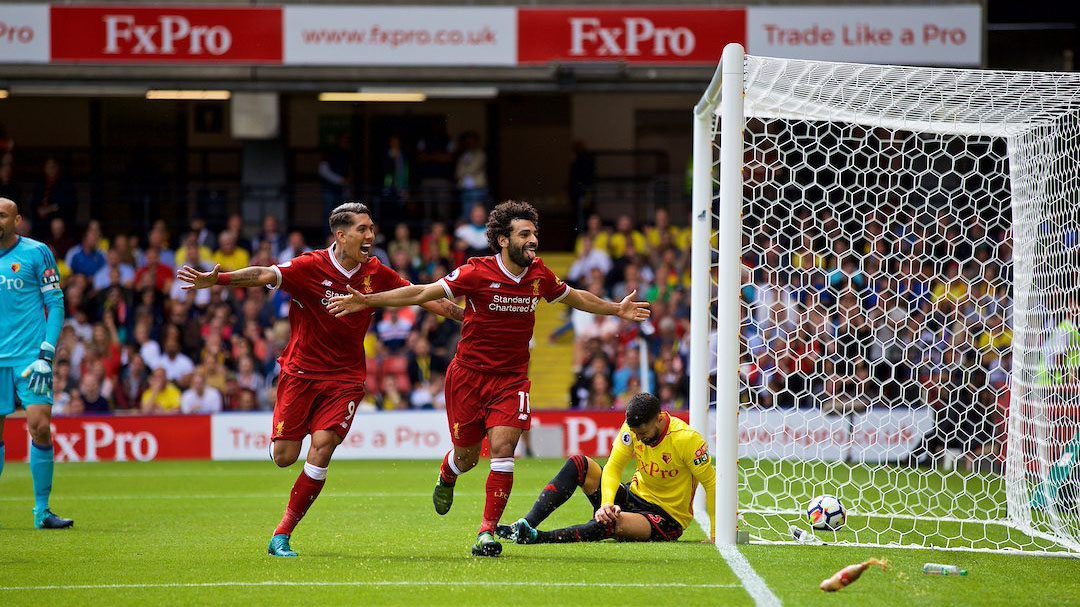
[
  {"x": 15, "y": 267},
  {"x": 536, "y": 287},
  {"x": 366, "y": 287},
  {"x": 667, "y": 458}
]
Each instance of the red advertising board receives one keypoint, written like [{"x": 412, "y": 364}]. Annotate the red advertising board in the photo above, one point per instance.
[
  {"x": 107, "y": 438},
  {"x": 648, "y": 35},
  {"x": 166, "y": 34},
  {"x": 587, "y": 432}
]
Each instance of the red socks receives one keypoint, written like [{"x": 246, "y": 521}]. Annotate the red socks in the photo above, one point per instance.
[
  {"x": 304, "y": 491},
  {"x": 449, "y": 471},
  {"x": 499, "y": 482}
]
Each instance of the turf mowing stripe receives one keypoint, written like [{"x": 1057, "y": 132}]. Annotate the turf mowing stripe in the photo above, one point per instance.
[
  {"x": 405, "y": 583},
  {"x": 751, "y": 581}
]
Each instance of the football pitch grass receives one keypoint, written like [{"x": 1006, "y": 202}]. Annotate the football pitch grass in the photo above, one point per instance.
[{"x": 195, "y": 533}]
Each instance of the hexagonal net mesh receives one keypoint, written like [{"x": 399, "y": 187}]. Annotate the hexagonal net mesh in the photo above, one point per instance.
[{"x": 910, "y": 320}]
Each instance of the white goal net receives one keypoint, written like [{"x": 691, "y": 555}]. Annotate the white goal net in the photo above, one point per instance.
[{"x": 896, "y": 316}]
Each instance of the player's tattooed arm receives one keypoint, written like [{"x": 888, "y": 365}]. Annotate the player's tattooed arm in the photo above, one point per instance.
[
  {"x": 253, "y": 276},
  {"x": 627, "y": 309},
  {"x": 447, "y": 308}
]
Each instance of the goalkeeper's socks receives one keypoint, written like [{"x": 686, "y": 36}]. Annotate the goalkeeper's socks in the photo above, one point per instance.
[
  {"x": 41, "y": 469},
  {"x": 562, "y": 486},
  {"x": 592, "y": 531},
  {"x": 304, "y": 491},
  {"x": 449, "y": 471},
  {"x": 499, "y": 483}
]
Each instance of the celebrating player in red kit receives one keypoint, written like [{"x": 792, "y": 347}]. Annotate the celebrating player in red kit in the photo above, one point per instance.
[
  {"x": 323, "y": 367},
  {"x": 487, "y": 383}
]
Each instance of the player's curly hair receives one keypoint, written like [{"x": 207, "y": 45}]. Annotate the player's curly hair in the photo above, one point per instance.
[
  {"x": 341, "y": 216},
  {"x": 503, "y": 215},
  {"x": 643, "y": 407}
]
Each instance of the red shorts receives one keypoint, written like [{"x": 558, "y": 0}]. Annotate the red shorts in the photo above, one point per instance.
[
  {"x": 476, "y": 401},
  {"x": 305, "y": 406}
]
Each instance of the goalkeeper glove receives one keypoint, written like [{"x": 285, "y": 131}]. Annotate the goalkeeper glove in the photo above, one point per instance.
[{"x": 40, "y": 371}]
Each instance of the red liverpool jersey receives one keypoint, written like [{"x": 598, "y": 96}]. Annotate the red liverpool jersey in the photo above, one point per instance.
[
  {"x": 500, "y": 311},
  {"x": 320, "y": 345}
]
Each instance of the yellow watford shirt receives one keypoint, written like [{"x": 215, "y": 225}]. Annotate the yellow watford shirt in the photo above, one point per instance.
[{"x": 667, "y": 474}]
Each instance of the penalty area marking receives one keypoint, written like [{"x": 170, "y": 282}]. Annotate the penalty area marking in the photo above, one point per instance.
[
  {"x": 387, "y": 583},
  {"x": 753, "y": 583}
]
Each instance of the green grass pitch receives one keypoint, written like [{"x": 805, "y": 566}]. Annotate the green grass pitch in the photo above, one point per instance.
[{"x": 195, "y": 533}]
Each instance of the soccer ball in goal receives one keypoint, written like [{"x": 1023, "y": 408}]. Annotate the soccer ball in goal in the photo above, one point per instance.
[
  {"x": 886, "y": 301},
  {"x": 826, "y": 513}
]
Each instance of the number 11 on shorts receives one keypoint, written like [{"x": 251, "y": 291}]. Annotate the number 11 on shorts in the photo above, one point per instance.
[{"x": 524, "y": 406}]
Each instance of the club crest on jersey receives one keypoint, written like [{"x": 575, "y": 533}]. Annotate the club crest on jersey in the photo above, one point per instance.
[
  {"x": 666, "y": 457},
  {"x": 280, "y": 428},
  {"x": 15, "y": 267},
  {"x": 536, "y": 287},
  {"x": 367, "y": 284}
]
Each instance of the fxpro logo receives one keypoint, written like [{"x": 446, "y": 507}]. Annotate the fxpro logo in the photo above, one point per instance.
[
  {"x": 168, "y": 35},
  {"x": 98, "y": 440},
  {"x": 635, "y": 36},
  {"x": 654, "y": 469},
  {"x": 11, "y": 283}
]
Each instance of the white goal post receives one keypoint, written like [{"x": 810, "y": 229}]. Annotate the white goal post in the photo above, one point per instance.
[{"x": 885, "y": 302}]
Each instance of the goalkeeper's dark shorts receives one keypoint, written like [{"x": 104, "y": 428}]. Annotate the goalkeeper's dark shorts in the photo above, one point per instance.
[{"x": 664, "y": 527}]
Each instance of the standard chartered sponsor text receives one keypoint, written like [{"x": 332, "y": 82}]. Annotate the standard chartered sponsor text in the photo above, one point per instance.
[
  {"x": 395, "y": 37},
  {"x": 501, "y": 303}
]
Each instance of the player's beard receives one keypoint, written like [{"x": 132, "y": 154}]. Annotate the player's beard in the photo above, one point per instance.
[{"x": 518, "y": 256}]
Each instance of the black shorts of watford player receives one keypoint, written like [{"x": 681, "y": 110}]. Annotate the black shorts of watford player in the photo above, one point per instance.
[{"x": 656, "y": 505}]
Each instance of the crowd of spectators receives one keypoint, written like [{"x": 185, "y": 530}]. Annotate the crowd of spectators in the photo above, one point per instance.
[
  {"x": 613, "y": 262},
  {"x": 897, "y": 293},
  {"x": 844, "y": 309}
]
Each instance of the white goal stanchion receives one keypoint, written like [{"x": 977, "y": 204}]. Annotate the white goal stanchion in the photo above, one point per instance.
[{"x": 886, "y": 302}]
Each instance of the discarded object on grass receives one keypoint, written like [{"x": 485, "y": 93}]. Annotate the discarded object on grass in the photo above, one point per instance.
[
  {"x": 849, "y": 574},
  {"x": 803, "y": 536},
  {"x": 939, "y": 569}
]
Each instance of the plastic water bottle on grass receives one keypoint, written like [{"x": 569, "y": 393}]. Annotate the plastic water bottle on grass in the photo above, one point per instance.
[
  {"x": 939, "y": 569},
  {"x": 803, "y": 536}
]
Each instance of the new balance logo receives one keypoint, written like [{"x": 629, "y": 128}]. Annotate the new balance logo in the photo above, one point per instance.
[
  {"x": 495, "y": 285},
  {"x": 327, "y": 283}
]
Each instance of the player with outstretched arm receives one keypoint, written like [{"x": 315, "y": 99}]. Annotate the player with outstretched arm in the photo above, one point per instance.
[
  {"x": 487, "y": 383},
  {"x": 323, "y": 367},
  {"x": 656, "y": 505},
  {"x": 32, "y": 308}
]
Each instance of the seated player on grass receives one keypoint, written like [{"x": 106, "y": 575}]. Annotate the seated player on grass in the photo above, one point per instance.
[{"x": 656, "y": 505}]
